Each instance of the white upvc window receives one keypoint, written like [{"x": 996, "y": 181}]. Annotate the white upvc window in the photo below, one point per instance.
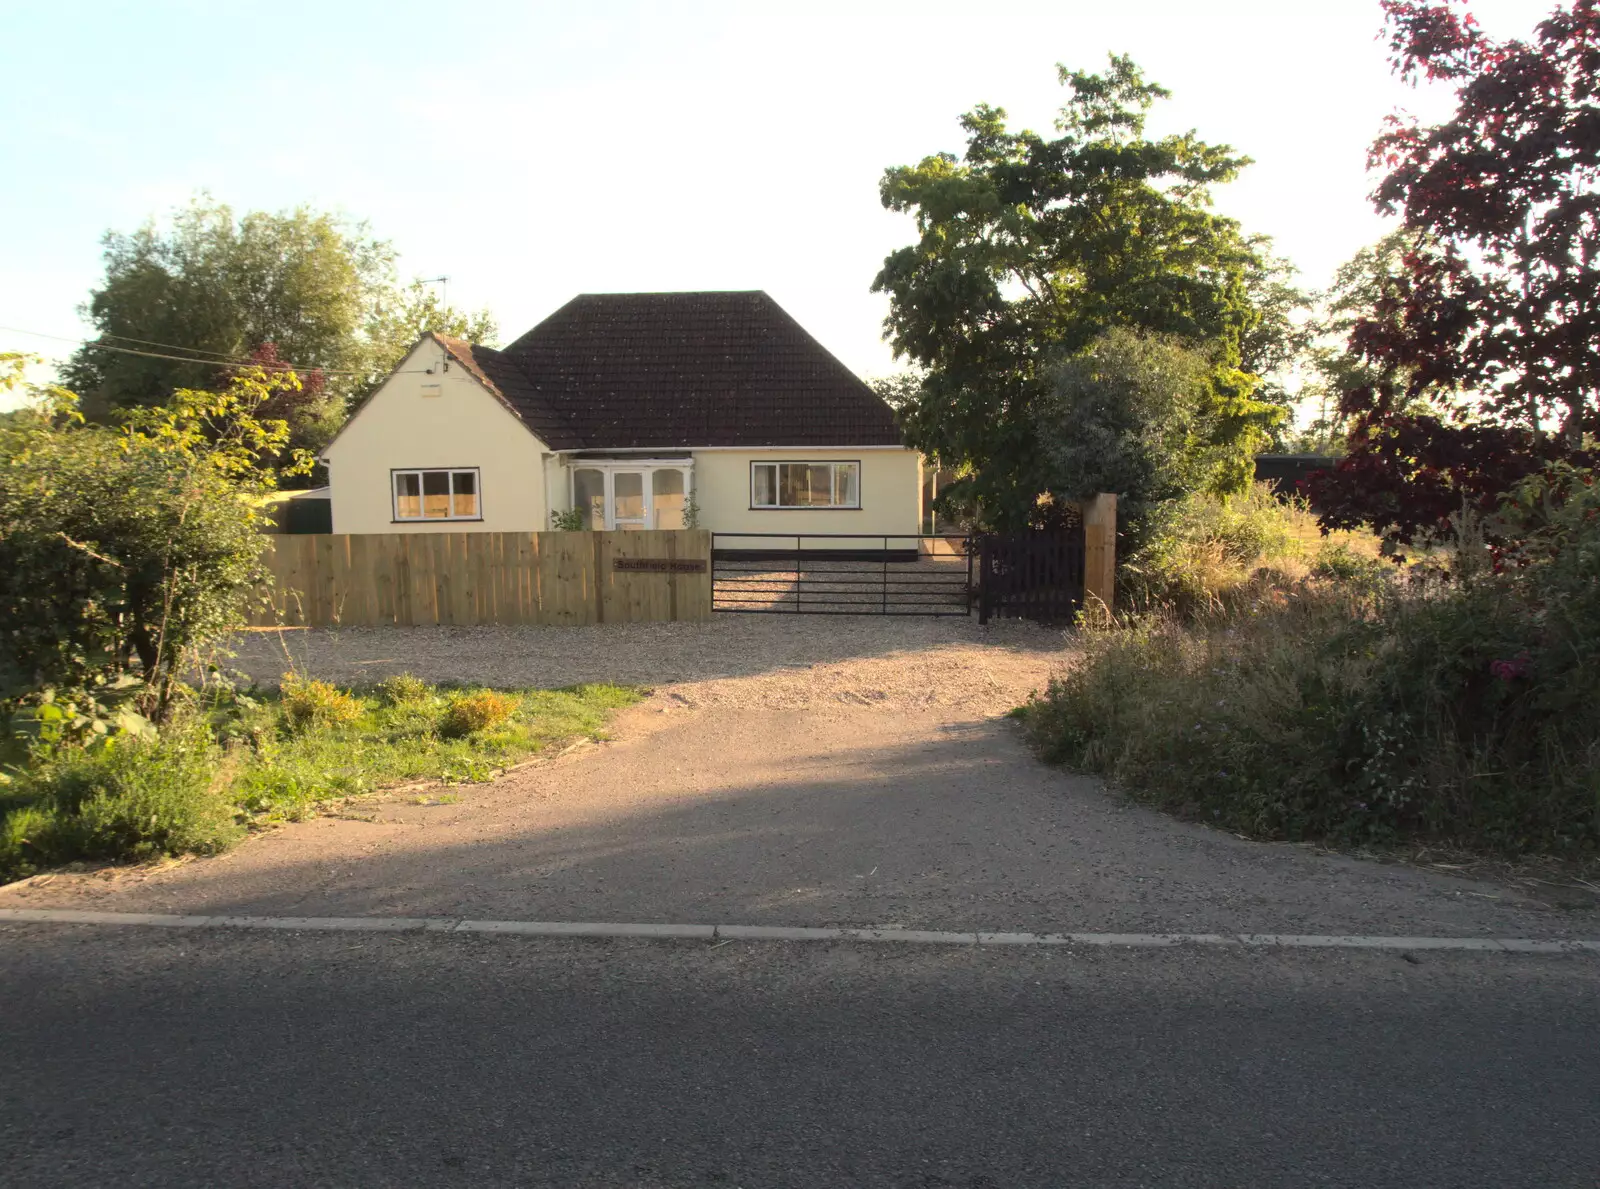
[
  {"x": 445, "y": 494},
  {"x": 805, "y": 485}
]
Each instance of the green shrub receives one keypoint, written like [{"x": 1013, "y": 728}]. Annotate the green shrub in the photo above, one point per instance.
[
  {"x": 133, "y": 797},
  {"x": 26, "y": 842},
  {"x": 138, "y": 538},
  {"x": 404, "y": 689},
  {"x": 468, "y": 714},
  {"x": 309, "y": 704},
  {"x": 1358, "y": 707},
  {"x": 1191, "y": 555},
  {"x": 1337, "y": 562},
  {"x": 180, "y": 792}
]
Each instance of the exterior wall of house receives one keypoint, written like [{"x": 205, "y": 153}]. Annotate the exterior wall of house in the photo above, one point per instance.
[
  {"x": 402, "y": 427},
  {"x": 891, "y": 494}
]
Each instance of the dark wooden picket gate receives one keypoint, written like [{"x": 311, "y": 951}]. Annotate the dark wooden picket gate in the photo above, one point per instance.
[{"x": 1031, "y": 575}]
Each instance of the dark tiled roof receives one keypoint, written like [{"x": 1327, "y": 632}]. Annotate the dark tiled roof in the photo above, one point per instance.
[
  {"x": 646, "y": 370},
  {"x": 501, "y": 375}
]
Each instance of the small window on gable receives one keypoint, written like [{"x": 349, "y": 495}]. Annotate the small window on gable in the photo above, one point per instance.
[
  {"x": 431, "y": 388},
  {"x": 437, "y": 495}
]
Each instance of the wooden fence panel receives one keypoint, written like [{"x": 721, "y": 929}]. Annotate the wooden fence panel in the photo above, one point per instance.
[
  {"x": 566, "y": 578},
  {"x": 488, "y": 578}
]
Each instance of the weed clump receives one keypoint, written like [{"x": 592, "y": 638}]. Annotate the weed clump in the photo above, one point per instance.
[
  {"x": 404, "y": 689},
  {"x": 309, "y": 704},
  {"x": 469, "y": 714},
  {"x": 130, "y": 797}
]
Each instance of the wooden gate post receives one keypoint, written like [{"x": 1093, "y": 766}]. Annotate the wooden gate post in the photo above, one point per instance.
[{"x": 1100, "y": 553}]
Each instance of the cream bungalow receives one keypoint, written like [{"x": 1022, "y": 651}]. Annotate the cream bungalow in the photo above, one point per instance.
[{"x": 639, "y": 410}]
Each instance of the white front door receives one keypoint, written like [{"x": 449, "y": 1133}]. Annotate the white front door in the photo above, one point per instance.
[
  {"x": 632, "y": 496},
  {"x": 629, "y": 507}
]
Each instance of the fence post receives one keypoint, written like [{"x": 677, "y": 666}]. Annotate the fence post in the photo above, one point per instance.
[
  {"x": 1100, "y": 551},
  {"x": 985, "y": 592}
]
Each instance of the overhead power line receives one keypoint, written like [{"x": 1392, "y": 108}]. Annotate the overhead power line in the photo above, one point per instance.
[
  {"x": 223, "y": 355},
  {"x": 221, "y": 360}
]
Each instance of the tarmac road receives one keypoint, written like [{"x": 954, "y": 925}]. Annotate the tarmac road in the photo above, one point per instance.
[{"x": 176, "y": 1057}]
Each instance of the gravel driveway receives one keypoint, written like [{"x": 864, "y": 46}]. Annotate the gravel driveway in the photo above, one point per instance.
[
  {"x": 781, "y": 661},
  {"x": 802, "y": 771}
]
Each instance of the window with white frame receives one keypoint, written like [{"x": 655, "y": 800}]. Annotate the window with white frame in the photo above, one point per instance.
[
  {"x": 805, "y": 485},
  {"x": 437, "y": 495},
  {"x": 648, "y": 493}
]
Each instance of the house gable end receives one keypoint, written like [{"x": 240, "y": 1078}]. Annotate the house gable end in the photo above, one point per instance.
[{"x": 434, "y": 360}]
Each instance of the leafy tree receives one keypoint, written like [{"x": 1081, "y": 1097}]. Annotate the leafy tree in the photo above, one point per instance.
[
  {"x": 403, "y": 315},
  {"x": 1281, "y": 335},
  {"x": 1030, "y": 248},
  {"x": 1361, "y": 285},
  {"x": 1131, "y": 415},
  {"x": 218, "y": 288},
  {"x": 898, "y": 390},
  {"x": 1499, "y": 294},
  {"x": 300, "y": 289},
  {"x": 140, "y": 542}
]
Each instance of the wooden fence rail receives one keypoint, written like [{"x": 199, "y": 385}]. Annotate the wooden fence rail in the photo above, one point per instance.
[{"x": 415, "y": 579}]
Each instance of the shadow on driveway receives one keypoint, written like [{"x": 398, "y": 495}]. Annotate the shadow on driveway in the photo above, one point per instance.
[{"x": 863, "y": 817}]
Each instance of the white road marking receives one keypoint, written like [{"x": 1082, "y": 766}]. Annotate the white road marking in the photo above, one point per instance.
[{"x": 1512, "y": 945}]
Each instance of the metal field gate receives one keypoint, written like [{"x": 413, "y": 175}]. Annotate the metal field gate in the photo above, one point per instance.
[
  {"x": 1037, "y": 574},
  {"x": 841, "y": 574}
]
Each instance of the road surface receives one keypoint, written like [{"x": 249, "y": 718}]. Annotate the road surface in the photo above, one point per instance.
[{"x": 216, "y": 1058}]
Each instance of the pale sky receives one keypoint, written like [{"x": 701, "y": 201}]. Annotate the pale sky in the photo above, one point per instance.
[{"x": 535, "y": 151}]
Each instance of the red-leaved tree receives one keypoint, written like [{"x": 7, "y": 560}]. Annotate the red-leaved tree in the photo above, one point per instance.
[
  {"x": 291, "y": 404},
  {"x": 1498, "y": 304}
]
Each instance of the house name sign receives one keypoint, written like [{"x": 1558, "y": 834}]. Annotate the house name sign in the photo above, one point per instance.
[{"x": 661, "y": 565}]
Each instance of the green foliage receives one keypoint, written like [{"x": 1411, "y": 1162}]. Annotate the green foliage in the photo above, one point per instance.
[
  {"x": 1366, "y": 710},
  {"x": 468, "y": 714},
  {"x": 1364, "y": 284},
  {"x": 572, "y": 520},
  {"x": 1276, "y": 342},
  {"x": 1337, "y": 562},
  {"x": 130, "y": 798},
  {"x": 1131, "y": 414},
  {"x": 139, "y": 541},
  {"x": 309, "y": 704},
  {"x": 220, "y": 287},
  {"x": 194, "y": 787},
  {"x": 401, "y": 316},
  {"x": 316, "y": 286},
  {"x": 404, "y": 689},
  {"x": 1029, "y": 249},
  {"x": 55, "y": 719},
  {"x": 289, "y": 772},
  {"x": 1194, "y": 554},
  {"x": 899, "y": 390}
]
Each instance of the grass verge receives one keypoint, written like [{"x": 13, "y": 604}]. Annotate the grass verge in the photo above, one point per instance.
[{"x": 241, "y": 762}]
